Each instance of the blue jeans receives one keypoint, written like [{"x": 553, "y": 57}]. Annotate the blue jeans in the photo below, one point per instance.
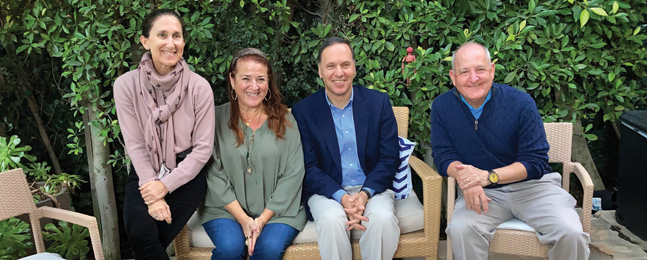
[{"x": 228, "y": 237}]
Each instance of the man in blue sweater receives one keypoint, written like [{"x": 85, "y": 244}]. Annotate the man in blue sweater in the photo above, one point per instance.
[{"x": 491, "y": 139}]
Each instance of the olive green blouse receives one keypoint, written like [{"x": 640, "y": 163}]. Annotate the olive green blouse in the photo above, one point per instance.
[{"x": 276, "y": 177}]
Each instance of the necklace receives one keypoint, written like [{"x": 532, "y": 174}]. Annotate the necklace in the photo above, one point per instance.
[
  {"x": 250, "y": 119},
  {"x": 249, "y": 146}
]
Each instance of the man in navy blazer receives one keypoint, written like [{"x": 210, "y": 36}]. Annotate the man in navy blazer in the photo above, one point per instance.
[{"x": 350, "y": 147}]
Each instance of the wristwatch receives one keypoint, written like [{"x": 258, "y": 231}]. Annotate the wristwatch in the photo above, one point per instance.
[
  {"x": 493, "y": 177},
  {"x": 368, "y": 194}
]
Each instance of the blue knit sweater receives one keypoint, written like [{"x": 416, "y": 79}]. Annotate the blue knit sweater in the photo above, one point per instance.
[{"x": 509, "y": 130}]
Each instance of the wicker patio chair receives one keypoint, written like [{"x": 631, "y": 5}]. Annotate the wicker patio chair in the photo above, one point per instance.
[
  {"x": 17, "y": 200},
  {"x": 422, "y": 242},
  {"x": 515, "y": 237}
]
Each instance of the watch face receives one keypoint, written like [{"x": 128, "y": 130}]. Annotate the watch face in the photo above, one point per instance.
[{"x": 494, "y": 178}]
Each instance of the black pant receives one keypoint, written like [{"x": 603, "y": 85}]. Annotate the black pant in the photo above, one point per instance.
[{"x": 149, "y": 237}]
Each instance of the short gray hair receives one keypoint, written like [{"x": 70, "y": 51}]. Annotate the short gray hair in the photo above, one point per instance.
[{"x": 487, "y": 52}]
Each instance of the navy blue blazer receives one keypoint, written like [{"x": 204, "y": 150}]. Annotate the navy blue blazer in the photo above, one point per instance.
[{"x": 377, "y": 142}]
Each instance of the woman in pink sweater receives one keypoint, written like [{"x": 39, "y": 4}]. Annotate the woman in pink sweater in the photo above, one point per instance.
[{"x": 166, "y": 114}]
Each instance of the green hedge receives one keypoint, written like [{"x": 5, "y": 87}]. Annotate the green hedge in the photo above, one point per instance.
[{"x": 576, "y": 58}]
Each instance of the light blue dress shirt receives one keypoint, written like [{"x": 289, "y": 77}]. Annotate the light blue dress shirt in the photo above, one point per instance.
[
  {"x": 352, "y": 173},
  {"x": 477, "y": 111}
]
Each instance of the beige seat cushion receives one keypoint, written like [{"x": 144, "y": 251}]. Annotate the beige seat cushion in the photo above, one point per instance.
[{"x": 409, "y": 212}]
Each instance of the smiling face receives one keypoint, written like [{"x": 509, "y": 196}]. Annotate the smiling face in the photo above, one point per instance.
[
  {"x": 165, "y": 42},
  {"x": 473, "y": 74},
  {"x": 337, "y": 69},
  {"x": 250, "y": 82}
]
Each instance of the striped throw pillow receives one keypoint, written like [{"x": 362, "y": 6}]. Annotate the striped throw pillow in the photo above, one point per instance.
[{"x": 402, "y": 181}]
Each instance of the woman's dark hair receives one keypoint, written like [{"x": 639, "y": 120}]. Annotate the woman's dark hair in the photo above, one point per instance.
[
  {"x": 273, "y": 107},
  {"x": 153, "y": 16}
]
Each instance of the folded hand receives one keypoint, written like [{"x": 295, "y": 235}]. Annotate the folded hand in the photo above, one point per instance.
[
  {"x": 153, "y": 191},
  {"x": 160, "y": 211}
]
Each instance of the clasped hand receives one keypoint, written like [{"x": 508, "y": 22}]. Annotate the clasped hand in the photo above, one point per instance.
[
  {"x": 354, "y": 206},
  {"x": 472, "y": 180},
  {"x": 252, "y": 228},
  {"x": 153, "y": 191}
]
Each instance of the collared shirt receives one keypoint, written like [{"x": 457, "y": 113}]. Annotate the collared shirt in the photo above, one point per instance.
[
  {"x": 352, "y": 173},
  {"x": 477, "y": 111}
]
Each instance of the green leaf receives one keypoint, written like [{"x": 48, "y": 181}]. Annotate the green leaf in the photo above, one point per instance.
[
  {"x": 595, "y": 71},
  {"x": 353, "y": 18},
  {"x": 615, "y": 7},
  {"x": 611, "y": 76},
  {"x": 591, "y": 137},
  {"x": 207, "y": 34},
  {"x": 588, "y": 127},
  {"x": 565, "y": 41},
  {"x": 637, "y": 30},
  {"x": 599, "y": 11},
  {"x": 584, "y": 17},
  {"x": 598, "y": 45},
  {"x": 242, "y": 3},
  {"x": 510, "y": 77},
  {"x": 531, "y": 6},
  {"x": 527, "y": 28},
  {"x": 522, "y": 25},
  {"x": 580, "y": 66},
  {"x": 79, "y": 36},
  {"x": 313, "y": 44},
  {"x": 327, "y": 30},
  {"x": 389, "y": 46},
  {"x": 21, "y": 48}
]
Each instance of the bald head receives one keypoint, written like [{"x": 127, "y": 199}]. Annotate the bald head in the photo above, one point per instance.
[
  {"x": 469, "y": 44},
  {"x": 472, "y": 73}
]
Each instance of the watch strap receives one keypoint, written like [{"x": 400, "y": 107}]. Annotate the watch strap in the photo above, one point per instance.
[
  {"x": 368, "y": 194},
  {"x": 493, "y": 177}
]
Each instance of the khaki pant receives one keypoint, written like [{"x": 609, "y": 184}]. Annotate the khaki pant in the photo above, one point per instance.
[
  {"x": 542, "y": 204},
  {"x": 379, "y": 241}
]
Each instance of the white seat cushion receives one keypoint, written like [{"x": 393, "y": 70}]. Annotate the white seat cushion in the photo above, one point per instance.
[
  {"x": 515, "y": 224},
  {"x": 409, "y": 213},
  {"x": 43, "y": 256}
]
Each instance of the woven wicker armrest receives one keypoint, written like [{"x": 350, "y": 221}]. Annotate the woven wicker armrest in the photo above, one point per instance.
[
  {"x": 451, "y": 197},
  {"x": 89, "y": 222},
  {"x": 587, "y": 199},
  {"x": 431, "y": 190}
]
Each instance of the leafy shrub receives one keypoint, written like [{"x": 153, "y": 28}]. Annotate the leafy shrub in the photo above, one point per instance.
[
  {"x": 68, "y": 240},
  {"x": 14, "y": 238},
  {"x": 11, "y": 154}
]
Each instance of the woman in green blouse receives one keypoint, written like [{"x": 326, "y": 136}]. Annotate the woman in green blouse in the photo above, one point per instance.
[{"x": 255, "y": 175}]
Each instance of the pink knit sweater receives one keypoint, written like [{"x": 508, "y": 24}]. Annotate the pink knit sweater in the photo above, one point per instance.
[{"x": 194, "y": 125}]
